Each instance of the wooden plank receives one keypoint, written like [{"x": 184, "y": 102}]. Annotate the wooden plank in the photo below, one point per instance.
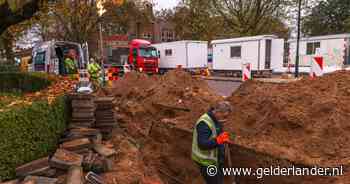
[
  {"x": 39, "y": 180},
  {"x": 11, "y": 182},
  {"x": 82, "y": 151},
  {"x": 78, "y": 96},
  {"x": 83, "y": 119},
  {"x": 75, "y": 175},
  {"x": 104, "y": 114},
  {"x": 82, "y": 132},
  {"x": 63, "y": 159},
  {"x": 80, "y": 125},
  {"x": 38, "y": 167},
  {"x": 105, "y": 124},
  {"x": 83, "y": 104},
  {"x": 80, "y": 110},
  {"x": 85, "y": 131},
  {"x": 83, "y": 115},
  {"x": 77, "y": 144},
  {"x": 104, "y": 106},
  {"x": 104, "y": 99},
  {"x": 103, "y": 150}
]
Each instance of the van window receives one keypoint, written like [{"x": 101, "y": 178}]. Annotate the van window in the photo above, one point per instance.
[
  {"x": 311, "y": 47},
  {"x": 40, "y": 58},
  {"x": 236, "y": 52},
  {"x": 168, "y": 52}
]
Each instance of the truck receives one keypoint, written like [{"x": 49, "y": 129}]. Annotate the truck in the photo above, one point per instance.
[
  {"x": 187, "y": 54},
  {"x": 49, "y": 56},
  {"x": 264, "y": 53},
  {"x": 143, "y": 57}
]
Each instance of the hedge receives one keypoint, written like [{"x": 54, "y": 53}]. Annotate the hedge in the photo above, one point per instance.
[
  {"x": 30, "y": 133},
  {"x": 23, "y": 82},
  {"x": 9, "y": 68}
]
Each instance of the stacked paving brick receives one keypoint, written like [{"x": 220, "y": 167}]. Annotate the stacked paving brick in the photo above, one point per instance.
[
  {"x": 80, "y": 150},
  {"x": 83, "y": 111},
  {"x": 105, "y": 120}
]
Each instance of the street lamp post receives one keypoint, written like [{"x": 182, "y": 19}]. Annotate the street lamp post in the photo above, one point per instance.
[
  {"x": 298, "y": 42},
  {"x": 101, "y": 54},
  {"x": 101, "y": 11}
]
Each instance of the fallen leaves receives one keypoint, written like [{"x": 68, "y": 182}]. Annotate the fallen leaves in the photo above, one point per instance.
[{"x": 61, "y": 86}]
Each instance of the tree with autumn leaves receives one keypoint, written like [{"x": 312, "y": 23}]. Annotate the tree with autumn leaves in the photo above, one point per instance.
[
  {"x": 212, "y": 19},
  {"x": 75, "y": 21}
]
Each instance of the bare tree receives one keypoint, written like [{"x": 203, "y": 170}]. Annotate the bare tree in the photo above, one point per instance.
[{"x": 250, "y": 17}]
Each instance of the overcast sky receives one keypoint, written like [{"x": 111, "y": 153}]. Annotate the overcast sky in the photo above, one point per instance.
[{"x": 165, "y": 3}]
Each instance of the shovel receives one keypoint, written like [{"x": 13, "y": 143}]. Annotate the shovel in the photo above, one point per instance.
[{"x": 229, "y": 160}]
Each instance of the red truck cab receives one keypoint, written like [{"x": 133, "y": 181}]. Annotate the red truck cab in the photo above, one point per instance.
[{"x": 143, "y": 57}]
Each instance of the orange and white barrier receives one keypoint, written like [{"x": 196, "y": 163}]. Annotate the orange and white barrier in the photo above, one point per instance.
[
  {"x": 246, "y": 72},
  {"x": 112, "y": 73},
  {"x": 126, "y": 68},
  {"x": 317, "y": 67}
]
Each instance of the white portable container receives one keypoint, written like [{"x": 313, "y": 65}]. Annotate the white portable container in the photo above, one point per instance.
[
  {"x": 333, "y": 48},
  {"x": 187, "y": 54},
  {"x": 264, "y": 52}
]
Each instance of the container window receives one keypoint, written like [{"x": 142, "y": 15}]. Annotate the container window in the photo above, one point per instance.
[
  {"x": 236, "y": 52},
  {"x": 311, "y": 48},
  {"x": 40, "y": 58},
  {"x": 168, "y": 52}
]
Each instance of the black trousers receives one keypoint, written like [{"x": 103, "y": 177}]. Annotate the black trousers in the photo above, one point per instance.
[{"x": 217, "y": 179}]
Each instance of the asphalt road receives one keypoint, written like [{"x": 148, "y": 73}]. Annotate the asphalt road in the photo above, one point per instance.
[{"x": 223, "y": 88}]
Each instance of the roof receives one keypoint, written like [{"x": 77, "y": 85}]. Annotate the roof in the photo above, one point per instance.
[
  {"x": 181, "y": 41},
  {"x": 140, "y": 42},
  {"x": 325, "y": 37},
  {"x": 243, "y": 39}
]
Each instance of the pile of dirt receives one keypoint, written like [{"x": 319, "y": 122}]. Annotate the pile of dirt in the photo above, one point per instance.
[
  {"x": 176, "y": 97},
  {"x": 148, "y": 109},
  {"x": 305, "y": 122}
]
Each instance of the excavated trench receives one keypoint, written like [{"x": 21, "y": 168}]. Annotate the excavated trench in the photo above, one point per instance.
[
  {"x": 175, "y": 160},
  {"x": 156, "y": 116}
]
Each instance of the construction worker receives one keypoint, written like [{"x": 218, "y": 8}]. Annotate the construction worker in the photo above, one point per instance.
[
  {"x": 94, "y": 70},
  {"x": 208, "y": 149},
  {"x": 70, "y": 63}
]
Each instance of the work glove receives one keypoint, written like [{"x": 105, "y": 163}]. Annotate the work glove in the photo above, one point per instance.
[{"x": 223, "y": 138}]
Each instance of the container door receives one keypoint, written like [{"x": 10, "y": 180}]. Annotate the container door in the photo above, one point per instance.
[
  {"x": 268, "y": 47},
  {"x": 347, "y": 52},
  {"x": 277, "y": 55},
  {"x": 197, "y": 55}
]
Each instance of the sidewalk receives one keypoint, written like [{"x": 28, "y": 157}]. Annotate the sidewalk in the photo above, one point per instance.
[{"x": 236, "y": 79}]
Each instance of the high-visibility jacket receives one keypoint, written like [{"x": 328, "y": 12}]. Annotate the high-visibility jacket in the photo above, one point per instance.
[
  {"x": 70, "y": 66},
  {"x": 205, "y": 157},
  {"x": 94, "y": 70}
]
